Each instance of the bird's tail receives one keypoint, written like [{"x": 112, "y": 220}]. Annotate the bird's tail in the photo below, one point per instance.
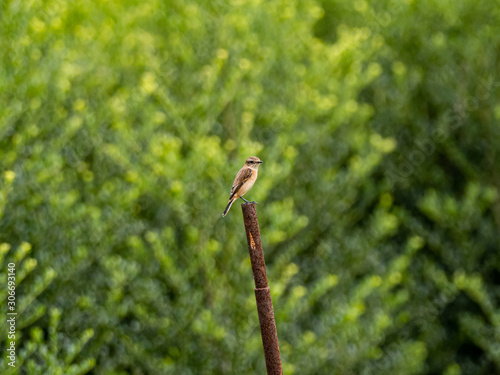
[{"x": 228, "y": 207}]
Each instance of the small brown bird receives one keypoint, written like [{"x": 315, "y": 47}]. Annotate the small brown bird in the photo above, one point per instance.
[{"x": 244, "y": 181}]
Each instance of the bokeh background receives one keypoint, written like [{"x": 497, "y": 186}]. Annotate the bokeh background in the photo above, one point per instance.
[{"x": 123, "y": 123}]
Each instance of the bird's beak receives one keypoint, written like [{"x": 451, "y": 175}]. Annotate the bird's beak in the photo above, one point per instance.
[{"x": 260, "y": 161}]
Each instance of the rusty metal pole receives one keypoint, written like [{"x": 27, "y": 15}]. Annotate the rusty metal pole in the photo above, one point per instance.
[{"x": 262, "y": 291}]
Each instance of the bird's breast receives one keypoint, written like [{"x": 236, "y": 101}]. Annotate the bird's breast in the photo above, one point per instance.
[{"x": 248, "y": 184}]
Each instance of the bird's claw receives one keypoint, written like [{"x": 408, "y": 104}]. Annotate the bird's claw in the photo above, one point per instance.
[{"x": 248, "y": 201}]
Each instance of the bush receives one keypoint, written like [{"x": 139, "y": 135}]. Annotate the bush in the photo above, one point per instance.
[{"x": 125, "y": 122}]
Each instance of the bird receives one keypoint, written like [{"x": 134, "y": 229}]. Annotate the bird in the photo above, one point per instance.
[{"x": 244, "y": 181}]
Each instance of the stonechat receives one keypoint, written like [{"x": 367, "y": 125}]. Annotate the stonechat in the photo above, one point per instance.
[{"x": 244, "y": 181}]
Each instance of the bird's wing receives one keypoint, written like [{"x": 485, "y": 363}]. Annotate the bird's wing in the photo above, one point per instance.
[{"x": 243, "y": 175}]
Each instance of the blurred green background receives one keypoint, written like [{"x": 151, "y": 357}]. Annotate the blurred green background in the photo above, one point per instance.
[{"x": 123, "y": 124}]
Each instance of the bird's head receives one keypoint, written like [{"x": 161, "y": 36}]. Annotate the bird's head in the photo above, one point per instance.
[{"x": 253, "y": 162}]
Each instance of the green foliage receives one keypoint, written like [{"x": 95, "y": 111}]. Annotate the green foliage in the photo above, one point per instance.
[
  {"x": 37, "y": 356},
  {"x": 124, "y": 123}
]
